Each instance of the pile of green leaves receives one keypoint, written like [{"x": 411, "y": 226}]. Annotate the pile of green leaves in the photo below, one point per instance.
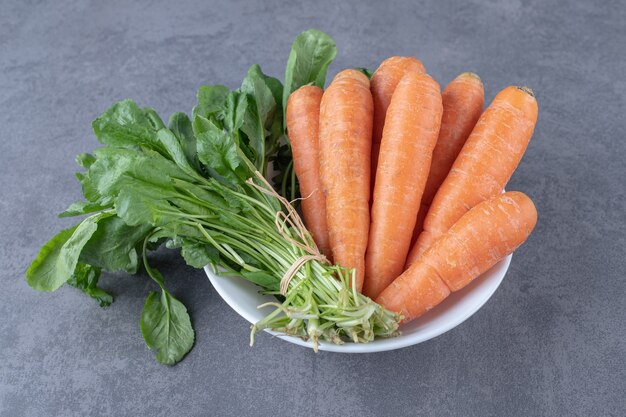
[{"x": 188, "y": 185}]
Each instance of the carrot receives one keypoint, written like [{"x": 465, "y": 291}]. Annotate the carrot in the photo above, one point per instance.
[
  {"x": 463, "y": 101},
  {"x": 484, "y": 165},
  {"x": 346, "y": 113},
  {"x": 303, "y": 117},
  {"x": 383, "y": 83},
  {"x": 483, "y": 236},
  {"x": 409, "y": 137},
  {"x": 419, "y": 222}
]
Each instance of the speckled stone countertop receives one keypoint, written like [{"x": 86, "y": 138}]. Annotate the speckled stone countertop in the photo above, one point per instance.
[{"x": 551, "y": 341}]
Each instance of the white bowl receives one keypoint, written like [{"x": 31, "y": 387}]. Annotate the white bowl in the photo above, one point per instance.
[{"x": 244, "y": 297}]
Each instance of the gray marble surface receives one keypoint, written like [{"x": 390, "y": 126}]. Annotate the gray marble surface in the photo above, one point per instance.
[{"x": 552, "y": 340}]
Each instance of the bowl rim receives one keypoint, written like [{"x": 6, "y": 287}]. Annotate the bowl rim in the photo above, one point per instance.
[{"x": 383, "y": 344}]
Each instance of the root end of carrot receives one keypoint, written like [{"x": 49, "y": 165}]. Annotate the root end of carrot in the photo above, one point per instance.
[
  {"x": 471, "y": 75},
  {"x": 527, "y": 90}
]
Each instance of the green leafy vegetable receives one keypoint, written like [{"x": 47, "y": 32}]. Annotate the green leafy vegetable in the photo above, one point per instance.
[
  {"x": 127, "y": 125},
  {"x": 198, "y": 255},
  {"x": 211, "y": 100},
  {"x": 82, "y": 207},
  {"x": 255, "y": 84},
  {"x": 217, "y": 149},
  {"x": 85, "y": 278},
  {"x": 47, "y": 272},
  {"x": 85, "y": 160},
  {"x": 199, "y": 185},
  {"x": 165, "y": 323},
  {"x": 311, "y": 54},
  {"x": 166, "y": 327},
  {"x": 260, "y": 112},
  {"x": 236, "y": 218},
  {"x": 115, "y": 246},
  {"x": 366, "y": 71},
  {"x": 233, "y": 112},
  {"x": 57, "y": 260},
  {"x": 180, "y": 125}
]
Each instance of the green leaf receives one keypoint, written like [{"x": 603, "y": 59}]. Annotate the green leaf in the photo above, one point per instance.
[
  {"x": 114, "y": 245},
  {"x": 262, "y": 111},
  {"x": 116, "y": 168},
  {"x": 201, "y": 124},
  {"x": 127, "y": 125},
  {"x": 276, "y": 127},
  {"x": 238, "y": 109},
  {"x": 211, "y": 100},
  {"x": 174, "y": 229},
  {"x": 368, "y": 72},
  {"x": 85, "y": 160},
  {"x": 180, "y": 125},
  {"x": 166, "y": 327},
  {"x": 311, "y": 54},
  {"x": 138, "y": 205},
  {"x": 276, "y": 87},
  {"x": 46, "y": 272},
  {"x": 262, "y": 279},
  {"x": 57, "y": 259},
  {"x": 139, "y": 147},
  {"x": 255, "y": 132},
  {"x": 198, "y": 255},
  {"x": 82, "y": 207},
  {"x": 255, "y": 84},
  {"x": 234, "y": 111},
  {"x": 85, "y": 278},
  {"x": 219, "y": 152},
  {"x": 175, "y": 151},
  {"x": 153, "y": 118},
  {"x": 173, "y": 242}
]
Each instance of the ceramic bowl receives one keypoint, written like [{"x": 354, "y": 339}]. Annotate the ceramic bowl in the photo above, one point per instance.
[{"x": 244, "y": 298}]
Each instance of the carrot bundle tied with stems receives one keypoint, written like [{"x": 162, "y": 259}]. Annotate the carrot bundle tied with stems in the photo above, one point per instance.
[
  {"x": 484, "y": 165},
  {"x": 483, "y": 236},
  {"x": 383, "y": 84},
  {"x": 463, "y": 101},
  {"x": 345, "y": 149},
  {"x": 302, "y": 118},
  {"x": 409, "y": 136}
]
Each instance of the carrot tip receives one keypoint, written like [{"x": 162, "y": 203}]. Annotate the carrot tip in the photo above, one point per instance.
[
  {"x": 527, "y": 90},
  {"x": 470, "y": 74}
]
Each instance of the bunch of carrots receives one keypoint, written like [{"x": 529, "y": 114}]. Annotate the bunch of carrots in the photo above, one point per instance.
[{"x": 404, "y": 184}]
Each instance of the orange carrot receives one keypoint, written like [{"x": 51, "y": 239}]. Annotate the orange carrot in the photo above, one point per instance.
[
  {"x": 419, "y": 222},
  {"x": 485, "y": 164},
  {"x": 345, "y": 148},
  {"x": 483, "y": 236},
  {"x": 383, "y": 83},
  {"x": 409, "y": 137},
  {"x": 463, "y": 101},
  {"x": 303, "y": 117}
]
